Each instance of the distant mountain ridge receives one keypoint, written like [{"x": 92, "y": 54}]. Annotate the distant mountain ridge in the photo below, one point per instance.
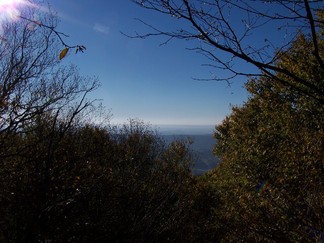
[{"x": 185, "y": 129}]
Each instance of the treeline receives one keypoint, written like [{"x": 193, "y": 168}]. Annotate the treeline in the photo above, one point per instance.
[
  {"x": 67, "y": 177},
  {"x": 96, "y": 185}
]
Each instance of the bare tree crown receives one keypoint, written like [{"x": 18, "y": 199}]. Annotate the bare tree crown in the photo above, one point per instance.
[
  {"x": 254, "y": 32},
  {"x": 33, "y": 81}
]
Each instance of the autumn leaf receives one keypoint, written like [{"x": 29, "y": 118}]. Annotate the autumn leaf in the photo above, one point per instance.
[{"x": 63, "y": 53}]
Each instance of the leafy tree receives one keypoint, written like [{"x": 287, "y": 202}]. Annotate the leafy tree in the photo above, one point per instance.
[{"x": 270, "y": 180}]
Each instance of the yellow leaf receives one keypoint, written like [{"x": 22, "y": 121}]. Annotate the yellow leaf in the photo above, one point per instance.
[{"x": 63, "y": 53}]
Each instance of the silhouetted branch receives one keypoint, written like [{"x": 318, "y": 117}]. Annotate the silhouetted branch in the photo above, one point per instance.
[{"x": 243, "y": 31}]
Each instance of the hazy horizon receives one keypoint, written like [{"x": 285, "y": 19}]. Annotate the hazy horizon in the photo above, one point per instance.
[{"x": 185, "y": 129}]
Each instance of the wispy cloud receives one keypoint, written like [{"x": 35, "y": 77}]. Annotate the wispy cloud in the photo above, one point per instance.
[{"x": 101, "y": 28}]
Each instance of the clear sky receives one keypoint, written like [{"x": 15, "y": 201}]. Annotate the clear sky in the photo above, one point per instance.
[{"x": 139, "y": 78}]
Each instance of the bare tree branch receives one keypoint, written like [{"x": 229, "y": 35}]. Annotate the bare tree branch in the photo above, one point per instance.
[
  {"x": 33, "y": 82},
  {"x": 216, "y": 24}
]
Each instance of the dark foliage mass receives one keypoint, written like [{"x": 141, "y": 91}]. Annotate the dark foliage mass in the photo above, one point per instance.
[
  {"x": 65, "y": 177},
  {"x": 96, "y": 184}
]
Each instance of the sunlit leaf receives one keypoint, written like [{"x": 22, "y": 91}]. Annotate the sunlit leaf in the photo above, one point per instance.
[{"x": 63, "y": 53}]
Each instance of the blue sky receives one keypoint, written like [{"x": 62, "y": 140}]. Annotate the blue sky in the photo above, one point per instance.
[{"x": 139, "y": 78}]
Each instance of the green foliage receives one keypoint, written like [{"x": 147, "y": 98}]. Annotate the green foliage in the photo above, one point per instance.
[{"x": 271, "y": 178}]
